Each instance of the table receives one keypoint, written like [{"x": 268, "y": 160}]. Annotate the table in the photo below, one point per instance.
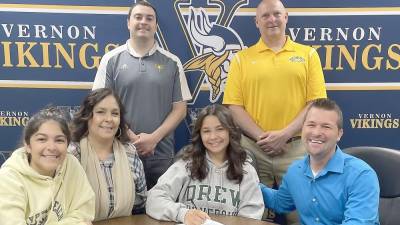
[{"x": 146, "y": 220}]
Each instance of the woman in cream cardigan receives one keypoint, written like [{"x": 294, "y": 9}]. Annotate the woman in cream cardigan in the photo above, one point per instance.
[{"x": 113, "y": 167}]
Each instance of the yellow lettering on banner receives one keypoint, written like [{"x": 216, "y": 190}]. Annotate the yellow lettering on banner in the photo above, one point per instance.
[
  {"x": 379, "y": 123},
  {"x": 82, "y": 56},
  {"x": 69, "y": 58},
  {"x": 45, "y": 55},
  {"x": 328, "y": 59},
  {"x": 373, "y": 57},
  {"x": 25, "y": 53},
  {"x": 110, "y": 47},
  {"x": 374, "y": 123},
  {"x": 53, "y": 55},
  {"x": 7, "y": 53},
  {"x": 7, "y": 121},
  {"x": 396, "y": 123},
  {"x": 365, "y": 123},
  {"x": 351, "y": 60},
  {"x": 3, "y": 121},
  {"x": 366, "y": 55},
  {"x": 387, "y": 123},
  {"x": 355, "y": 123},
  {"x": 328, "y": 55},
  {"x": 393, "y": 55}
]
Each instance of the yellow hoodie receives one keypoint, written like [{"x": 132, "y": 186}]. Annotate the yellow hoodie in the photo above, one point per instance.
[{"x": 28, "y": 198}]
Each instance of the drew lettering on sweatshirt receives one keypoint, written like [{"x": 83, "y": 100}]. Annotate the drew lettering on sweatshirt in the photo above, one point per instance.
[{"x": 213, "y": 196}]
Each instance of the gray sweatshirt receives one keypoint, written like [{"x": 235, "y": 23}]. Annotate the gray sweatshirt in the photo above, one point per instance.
[{"x": 175, "y": 193}]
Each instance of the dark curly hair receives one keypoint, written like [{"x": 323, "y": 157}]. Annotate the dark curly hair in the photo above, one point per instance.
[
  {"x": 196, "y": 152},
  {"x": 80, "y": 121}
]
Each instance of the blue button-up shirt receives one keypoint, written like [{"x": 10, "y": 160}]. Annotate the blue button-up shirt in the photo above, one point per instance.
[{"x": 346, "y": 191}]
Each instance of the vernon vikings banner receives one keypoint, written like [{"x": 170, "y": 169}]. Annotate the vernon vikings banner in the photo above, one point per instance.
[{"x": 49, "y": 54}]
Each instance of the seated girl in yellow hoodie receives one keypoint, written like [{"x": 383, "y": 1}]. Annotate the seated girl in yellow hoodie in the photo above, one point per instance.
[{"x": 40, "y": 183}]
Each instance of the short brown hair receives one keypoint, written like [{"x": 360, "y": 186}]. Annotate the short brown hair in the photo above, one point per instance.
[
  {"x": 329, "y": 105},
  {"x": 142, "y": 3}
]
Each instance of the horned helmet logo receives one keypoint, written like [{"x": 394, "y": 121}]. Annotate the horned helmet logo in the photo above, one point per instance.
[{"x": 215, "y": 43}]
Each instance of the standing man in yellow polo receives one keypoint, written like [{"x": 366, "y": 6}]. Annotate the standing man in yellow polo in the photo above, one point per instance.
[{"x": 270, "y": 85}]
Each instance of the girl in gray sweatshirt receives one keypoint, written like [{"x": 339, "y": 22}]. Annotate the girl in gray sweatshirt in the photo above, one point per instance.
[{"x": 212, "y": 175}]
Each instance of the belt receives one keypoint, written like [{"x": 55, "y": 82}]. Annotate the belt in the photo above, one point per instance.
[{"x": 295, "y": 138}]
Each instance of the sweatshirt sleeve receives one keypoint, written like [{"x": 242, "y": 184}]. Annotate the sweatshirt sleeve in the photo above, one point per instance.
[
  {"x": 12, "y": 199},
  {"x": 162, "y": 201},
  {"x": 80, "y": 207},
  {"x": 251, "y": 200}
]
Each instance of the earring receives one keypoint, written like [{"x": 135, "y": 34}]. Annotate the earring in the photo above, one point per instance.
[
  {"x": 28, "y": 156},
  {"x": 119, "y": 132}
]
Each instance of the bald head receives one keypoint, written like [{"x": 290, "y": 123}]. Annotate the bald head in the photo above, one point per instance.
[
  {"x": 271, "y": 19},
  {"x": 277, "y": 4}
]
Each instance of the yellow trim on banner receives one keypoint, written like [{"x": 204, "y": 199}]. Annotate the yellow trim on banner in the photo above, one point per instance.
[
  {"x": 47, "y": 86},
  {"x": 364, "y": 9},
  {"x": 61, "y": 7},
  {"x": 363, "y": 88},
  {"x": 339, "y": 87},
  {"x": 204, "y": 87},
  {"x": 370, "y": 9},
  {"x": 186, "y": 9}
]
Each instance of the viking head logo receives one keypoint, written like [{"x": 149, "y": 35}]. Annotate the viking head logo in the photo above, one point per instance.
[{"x": 215, "y": 44}]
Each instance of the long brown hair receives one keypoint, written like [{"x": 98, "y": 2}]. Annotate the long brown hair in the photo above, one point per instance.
[{"x": 196, "y": 152}]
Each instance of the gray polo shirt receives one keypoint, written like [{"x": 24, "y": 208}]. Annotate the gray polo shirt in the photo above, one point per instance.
[{"x": 147, "y": 86}]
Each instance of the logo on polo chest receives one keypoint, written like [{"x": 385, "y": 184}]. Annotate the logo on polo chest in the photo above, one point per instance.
[
  {"x": 159, "y": 67},
  {"x": 124, "y": 66},
  {"x": 297, "y": 59}
]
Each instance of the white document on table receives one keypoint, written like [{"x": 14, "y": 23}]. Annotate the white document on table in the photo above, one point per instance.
[{"x": 207, "y": 222}]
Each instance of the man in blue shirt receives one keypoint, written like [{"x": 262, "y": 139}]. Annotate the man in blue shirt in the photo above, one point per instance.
[{"x": 327, "y": 186}]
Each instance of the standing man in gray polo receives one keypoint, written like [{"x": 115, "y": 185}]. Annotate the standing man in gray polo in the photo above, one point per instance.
[{"x": 152, "y": 86}]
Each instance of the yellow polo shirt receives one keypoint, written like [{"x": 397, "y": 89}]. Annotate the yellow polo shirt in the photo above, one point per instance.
[{"x": 274, "y": 87}]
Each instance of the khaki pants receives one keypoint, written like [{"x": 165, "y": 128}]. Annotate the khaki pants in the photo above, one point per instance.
[{"x": 272, "y": 169}]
